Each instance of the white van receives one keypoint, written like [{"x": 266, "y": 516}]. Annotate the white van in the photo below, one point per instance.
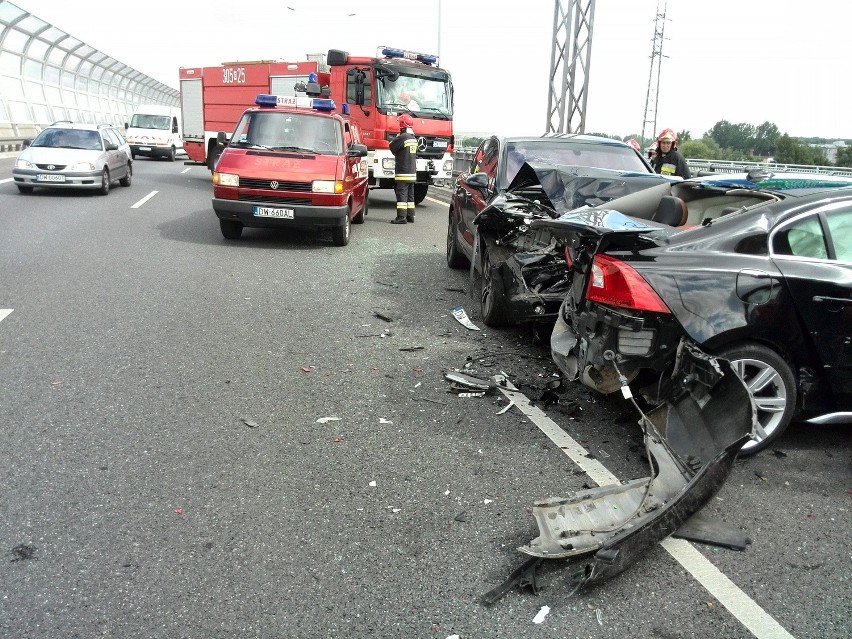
[{"x": 154, "y": 131}]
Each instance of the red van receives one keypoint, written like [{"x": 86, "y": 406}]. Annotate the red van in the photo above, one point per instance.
[{"x": 292, "y": 162}]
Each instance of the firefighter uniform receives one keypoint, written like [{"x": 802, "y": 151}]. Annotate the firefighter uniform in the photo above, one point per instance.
[{"x": 404, "y": 149}]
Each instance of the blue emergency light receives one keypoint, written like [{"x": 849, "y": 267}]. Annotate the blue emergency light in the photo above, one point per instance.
[
  {"x": 344, "y": 108},
  {"x": 425, "y": 58},
  {"x": 317, "y": 104}
]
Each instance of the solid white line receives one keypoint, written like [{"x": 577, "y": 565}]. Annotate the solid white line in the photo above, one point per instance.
[
  {"x": 5, "y": 312},
  {"x": 6, "y": 180},
  {"x": 144, "y": 199},
  {"x": 743, "y": 607}
]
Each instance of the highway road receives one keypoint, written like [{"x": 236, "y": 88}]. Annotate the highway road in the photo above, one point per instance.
[{"x": 212, "y": 439}]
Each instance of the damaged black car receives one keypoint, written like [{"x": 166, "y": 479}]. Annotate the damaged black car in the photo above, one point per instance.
[
  {"x": 755, "y": 269},
  {"x": 512, "y": 181}
]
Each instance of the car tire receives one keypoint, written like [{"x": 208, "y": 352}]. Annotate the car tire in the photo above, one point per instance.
[
  {"x": 213, "y": 154},
  {"x": 132, "y": 156},
  {"x": 128, "y": 178},
  {"x": 26, "y": 190},
  {"x": 455, "y": 258},
  {"x": 420, "y": 192},
  {"x": 231, "y": 230},
  {"x": 359, "y": 217},
  {"x": 493, "y": 297},
  {"x": 340, "y": 234},
  {"x": 106, "y": 182},
  {"x": 172, "y": 154},
  {"x": 771, "y": 383}
]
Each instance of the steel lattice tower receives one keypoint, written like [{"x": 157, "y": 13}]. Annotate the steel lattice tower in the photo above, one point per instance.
[
  {"x": 569, "y": 65},
  {"x": 649, "y": 124}
]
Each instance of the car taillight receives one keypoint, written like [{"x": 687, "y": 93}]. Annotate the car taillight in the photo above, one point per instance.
[{"x": 616, "y": 283}]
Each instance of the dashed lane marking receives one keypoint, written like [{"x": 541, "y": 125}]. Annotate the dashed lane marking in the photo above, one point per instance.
[
  {"x": 5, "y": 312},
  {"x": 743, "y": 607},
  {"x": 144, "y": 199},
  {"x": 6, "y": 180}
]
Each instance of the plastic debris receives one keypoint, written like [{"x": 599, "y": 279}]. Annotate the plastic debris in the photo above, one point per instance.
[
  {"x": 459, "y": 313},
  {"x": 487, "y": 501},
  {"x": 453, "y": 637},
  {"x": 325, "y": 420},
  {"x": 373, "y": 484},
  {"x": 599, "y": 616},
  {"x": 382, "y": 317},
  {"x": 249, "y": 422},
  {"x": 382, "y": 420},
  {"x": 506, "y": 408},
  {"x": 179, "y": 511},
  {"x": 337, "y": 440},
  {"x": 477, "y": 394},
  {"x": 306, "y": 369},
  {"x": 411, "y": 349},
  {"x": 56, "y": 383},
  {"x": 539, "y": 618},
  {"x": 469, "y": 382}
]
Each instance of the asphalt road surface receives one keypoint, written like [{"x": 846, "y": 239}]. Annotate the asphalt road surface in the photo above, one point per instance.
[{"x": 205, "y": 438}]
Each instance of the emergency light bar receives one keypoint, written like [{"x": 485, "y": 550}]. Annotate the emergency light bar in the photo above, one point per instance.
[
  {"x": 425, "y": 58},
  {"x": 317, "y": 104}
]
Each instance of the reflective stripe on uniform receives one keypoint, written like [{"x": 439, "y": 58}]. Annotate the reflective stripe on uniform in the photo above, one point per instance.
[{"x": 406, "y": 177}]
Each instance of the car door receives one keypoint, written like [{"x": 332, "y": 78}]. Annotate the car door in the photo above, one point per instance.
[
  {"x": 115, "y": 158},
  {"x": 814, "y": 253},
  {"x": 477, "y": 192}
]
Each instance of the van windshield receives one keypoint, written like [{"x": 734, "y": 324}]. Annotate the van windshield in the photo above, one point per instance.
[
  {"x": 146, "y": 121},
  {"x": 287, "y": 131}
]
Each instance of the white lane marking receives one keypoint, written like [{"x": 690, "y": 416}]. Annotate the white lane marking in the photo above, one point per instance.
[
  {"x": 185, "y": 170},
  {"x": 5, "y": 312},
  {"x": 6, "y": 180},
  {"x": 431, "y": 199},
  {"x": 726, "y": 591},
  {"x": 743, "y": 607},
  {"x": 144, "y": 199}
]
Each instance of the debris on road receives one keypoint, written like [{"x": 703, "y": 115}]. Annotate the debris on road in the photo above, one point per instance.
[
  {"x": 372, "y": 484},
  {"x": 539, "y": 618},
  {"x": 382, "y": 420},
  {"x": 382, "y": 316},
  {"x": 22, "y": 552},
  {"x": 475, "y": 394},
  {"x": 459, "y": 313},
  {"x": 506, "y": 408},
  {"x": 461, "y": 382},
  {"x": 411, "y": 349},
  {"x": 249, "y": 422},
  {"x": 325, "y": 420}
]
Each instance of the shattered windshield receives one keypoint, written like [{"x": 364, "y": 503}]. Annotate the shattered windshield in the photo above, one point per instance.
[
  {"x": 287, "y": 131},
  {"x": 571, "y": 153}
]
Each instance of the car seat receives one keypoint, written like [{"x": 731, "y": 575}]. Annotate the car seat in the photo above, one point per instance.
[{"x": 671, "y": 210}]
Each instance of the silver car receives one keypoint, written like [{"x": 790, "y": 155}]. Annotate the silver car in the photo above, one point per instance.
[{"x": 79, "y": 156}]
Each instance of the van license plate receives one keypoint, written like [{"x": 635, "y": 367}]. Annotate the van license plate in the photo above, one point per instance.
[
  {"x": 144, "y": 148},
  {"x": 46, "y": 177},
  {"x": 263, "y": 211}
]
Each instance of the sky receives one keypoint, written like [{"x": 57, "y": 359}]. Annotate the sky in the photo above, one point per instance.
[{"x": 774, "y": 61}]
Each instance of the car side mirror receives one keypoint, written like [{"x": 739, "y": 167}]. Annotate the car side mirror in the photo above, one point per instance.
[
  {"x": 221, "y": 138},
  {"x": 477, "y": 181},
  {"x": 126, "y": 126},
  {"x": 357, "y": 151},
  {"x": 26, "y": 143},
  {"x": 111, "y": 147}
]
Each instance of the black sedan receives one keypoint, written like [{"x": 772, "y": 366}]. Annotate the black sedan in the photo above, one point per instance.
[
  {"x": 758, "y": 272},
  {"x": 514, "y": 180}
]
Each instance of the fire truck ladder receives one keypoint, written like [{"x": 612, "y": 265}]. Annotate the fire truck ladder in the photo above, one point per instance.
[{"x": 569, "y": 66}]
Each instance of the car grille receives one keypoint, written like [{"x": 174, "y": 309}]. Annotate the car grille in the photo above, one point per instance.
[
  {"x": 281, "y": 185},
  {"x": 51, "y": 167},
  {"x": 635, "y": 342},
  {"x": 264, "y": 199}
]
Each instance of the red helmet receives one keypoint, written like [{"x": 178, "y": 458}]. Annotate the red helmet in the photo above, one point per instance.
[
  {"x": 632, "y": 142},
  {"x": 667, "y": 134},
  {"x": 405, "y": 122}
]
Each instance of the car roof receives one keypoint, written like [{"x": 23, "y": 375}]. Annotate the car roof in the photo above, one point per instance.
[
  {"x": 580, "y": 138},
  {"x": 79, "y": 126}
]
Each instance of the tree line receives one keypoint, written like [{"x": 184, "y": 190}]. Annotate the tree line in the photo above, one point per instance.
[{"x": 741, "y": 142}]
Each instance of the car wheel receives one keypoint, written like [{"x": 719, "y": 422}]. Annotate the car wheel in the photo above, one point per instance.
[
  {"x": 132, "y": 156},
  {"x": 455, "y": 259},
  {"x": 359, "y": 217},
  {"x": 213, "y": 154},
  {"x": 172, "y": 154},
  {"x": 340, "y": 234},
  {"x": 420, "y": 192},
  {"x": 128, "y": 178},
  {"x": 772, "y": 386},
  {"x": 24, "y": 189},
  {"x": 231, "y": 230},
  {"x": 105, "y": 182},
  {"x": 493, "y": 298}
]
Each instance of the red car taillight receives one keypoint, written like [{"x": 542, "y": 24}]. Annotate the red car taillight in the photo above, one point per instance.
[{"x": 616, "y": 283}]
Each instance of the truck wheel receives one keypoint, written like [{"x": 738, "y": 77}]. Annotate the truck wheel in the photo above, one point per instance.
[
  {"x": 420, "y": 192},
  {"x": 231, "y": 230}
]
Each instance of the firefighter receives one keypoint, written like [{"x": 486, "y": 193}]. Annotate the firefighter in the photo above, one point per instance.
[
  {"x": 667, "y": 160},
  {"x": 404, "y": 149}
]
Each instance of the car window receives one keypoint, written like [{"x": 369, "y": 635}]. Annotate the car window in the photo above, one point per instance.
[
  {"x": 803, "y": 238},
  {"x": 485, "y": 160},
  {"x": 282, "y": 131},
  {"x": 840, "y": 227},
  {"x": 112, "y": 136}
]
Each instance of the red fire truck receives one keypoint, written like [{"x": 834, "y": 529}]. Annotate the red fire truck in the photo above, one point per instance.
[{"x": 376, "y": 89}]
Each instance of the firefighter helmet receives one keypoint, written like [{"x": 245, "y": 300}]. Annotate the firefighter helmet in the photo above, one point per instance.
[
  {"x": 667, "y": 134},
  {"x": 405, "y": 122}
]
